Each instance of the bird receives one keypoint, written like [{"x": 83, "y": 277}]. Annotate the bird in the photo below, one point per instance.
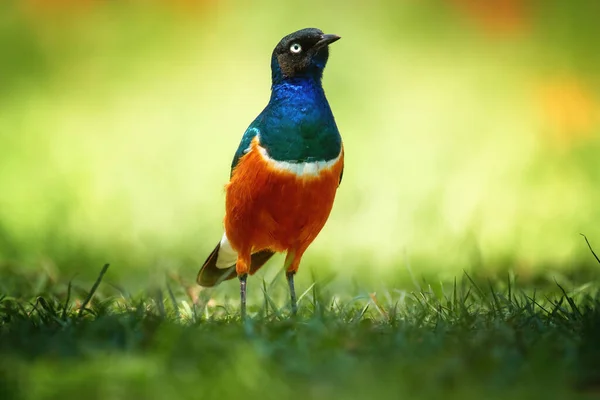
[{"x": 285, "y": 173}]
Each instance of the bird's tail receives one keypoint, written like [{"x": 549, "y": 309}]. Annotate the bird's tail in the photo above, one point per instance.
[{"x": 211, "y": 275}]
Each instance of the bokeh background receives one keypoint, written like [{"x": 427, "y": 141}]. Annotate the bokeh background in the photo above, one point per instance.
[{"x": 471, "y": 128}]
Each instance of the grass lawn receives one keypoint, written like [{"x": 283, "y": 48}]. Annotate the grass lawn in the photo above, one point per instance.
[{"x": 473, "y": 338}]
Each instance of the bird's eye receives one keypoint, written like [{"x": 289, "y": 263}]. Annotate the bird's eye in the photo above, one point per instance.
[{"x": 295, "y": 48}]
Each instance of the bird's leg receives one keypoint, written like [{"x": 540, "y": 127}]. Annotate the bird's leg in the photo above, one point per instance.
[
  {"x": 242, "y": 267},
  {"x": 243, "y": 278},
  {"x": 290, "y": 278},
  {"x": 292, "y": 261}
]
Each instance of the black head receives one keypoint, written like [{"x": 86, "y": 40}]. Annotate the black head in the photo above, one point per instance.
[{"x": 301, "y": 54}]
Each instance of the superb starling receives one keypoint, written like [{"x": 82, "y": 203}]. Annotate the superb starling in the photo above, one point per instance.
[{"x": 285, "y": 172}]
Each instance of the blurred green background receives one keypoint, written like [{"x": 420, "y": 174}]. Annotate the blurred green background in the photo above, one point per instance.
[{"x": 471, "y": 128}]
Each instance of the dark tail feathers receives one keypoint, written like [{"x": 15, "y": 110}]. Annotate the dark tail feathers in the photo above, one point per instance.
[{"x": 209, "y": 275}]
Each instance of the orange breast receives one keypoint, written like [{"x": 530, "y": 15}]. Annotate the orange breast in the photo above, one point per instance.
[{"x": 270, "y": 208}]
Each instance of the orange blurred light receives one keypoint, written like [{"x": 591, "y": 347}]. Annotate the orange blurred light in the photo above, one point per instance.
[
  {"x": 496, "y": 16},
  {"x": 570, "y": 111}
]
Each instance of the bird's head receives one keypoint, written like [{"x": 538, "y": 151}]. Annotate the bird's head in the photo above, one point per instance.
[{"x": 301, "y": 54}]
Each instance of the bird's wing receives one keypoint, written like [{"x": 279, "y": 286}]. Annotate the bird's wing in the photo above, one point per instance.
[{"x": 244, "y": 146}]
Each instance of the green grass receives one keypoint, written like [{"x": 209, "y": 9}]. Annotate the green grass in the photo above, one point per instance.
[
  {"x": 471, "y": 338},
  {"x": 118, "y": 124}
]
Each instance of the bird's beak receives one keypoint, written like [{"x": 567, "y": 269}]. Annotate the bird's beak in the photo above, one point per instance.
[{"x": 326, "y": 39}]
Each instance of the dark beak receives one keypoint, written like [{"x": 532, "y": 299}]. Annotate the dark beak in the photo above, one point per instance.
[{"x": 326, "y": 39}]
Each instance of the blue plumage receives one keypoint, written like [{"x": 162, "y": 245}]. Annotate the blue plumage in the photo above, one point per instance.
[{"x": 297, "y": 124}]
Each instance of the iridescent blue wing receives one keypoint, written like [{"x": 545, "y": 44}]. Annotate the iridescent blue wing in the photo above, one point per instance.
[{"x": 244, "y": 146}]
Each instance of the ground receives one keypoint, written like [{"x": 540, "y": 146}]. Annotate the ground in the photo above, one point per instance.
[{"x": 471, "y": 338}]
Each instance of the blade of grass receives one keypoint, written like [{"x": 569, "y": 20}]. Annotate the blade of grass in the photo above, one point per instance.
[
  {"x": 590, "y": 247},
  {"x": 570, "y": 300},
  {"x": 173, "y": 300},
  {"x": 264, "y": 289},
  {"x": 496, "y": 305},
  {"x": 305, "y": 292},
  {"x": 93, "y": 290},
  {"x": 360, "y": 314},
  {"x": 481, "y": 293},
  {"x": 160, "y": 303},
  {"x": 276, "y": 310},
  {"x": 64, "y": 313}
]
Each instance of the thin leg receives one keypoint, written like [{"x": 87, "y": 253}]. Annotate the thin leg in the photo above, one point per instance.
[
  {"x": 290, "y": 279},
  {"x": 243, "y": 278},
  {"x": 292, "y": 261},
  {"x": 242, "y": 267}
]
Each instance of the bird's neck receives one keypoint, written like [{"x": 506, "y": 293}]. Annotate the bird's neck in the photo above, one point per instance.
[
  {"x": 297, "y": 124},
  {"x": 297, "y": 88}
]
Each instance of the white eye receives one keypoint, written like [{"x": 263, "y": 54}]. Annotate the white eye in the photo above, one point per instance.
[{"x": 295, "y": 48}]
